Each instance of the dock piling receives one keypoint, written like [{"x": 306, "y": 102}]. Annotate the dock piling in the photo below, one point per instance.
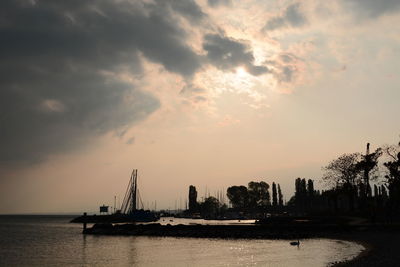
[{"x": 84, "y": 221}]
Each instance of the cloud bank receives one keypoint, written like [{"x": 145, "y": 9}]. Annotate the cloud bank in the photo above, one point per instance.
[
  {"x": 291, "y": 17},
  {"x": 59, "y": 61},
  {"x": 226, "y": 53},
  {"x": 371, "y": 8}
]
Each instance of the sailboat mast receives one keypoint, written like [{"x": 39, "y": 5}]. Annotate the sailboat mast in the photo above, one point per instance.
[{"x": 133, "y": 190}]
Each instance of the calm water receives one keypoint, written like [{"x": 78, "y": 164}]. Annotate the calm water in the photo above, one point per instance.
[{"x": 52, "y": 241}]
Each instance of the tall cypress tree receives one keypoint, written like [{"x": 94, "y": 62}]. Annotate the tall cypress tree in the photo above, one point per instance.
[
  {"x": 310, "y": 194},
  {"x": 310, "y": 188},
  {"x": 274, "y": 195},
  {"x": 297, "y": 194},
  {"x": 280, "y": 196},
  {"x": 193, "y": 206},
  {"x": 303, "y": 188}
]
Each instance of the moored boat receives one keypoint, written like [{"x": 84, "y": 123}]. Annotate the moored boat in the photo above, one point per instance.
[{"x": 128, "y": 212}]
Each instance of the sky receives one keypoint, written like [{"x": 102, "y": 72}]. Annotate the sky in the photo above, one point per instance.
[{"x": 207, "y": 93}]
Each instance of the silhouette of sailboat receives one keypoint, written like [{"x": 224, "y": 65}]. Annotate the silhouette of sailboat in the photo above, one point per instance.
[
  {"x": 132, "y": 199},
  {"x": 128, "y": 212}
]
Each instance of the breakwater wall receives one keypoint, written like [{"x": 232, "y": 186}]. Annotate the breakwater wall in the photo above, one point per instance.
[{"x": 218, "y": 231}]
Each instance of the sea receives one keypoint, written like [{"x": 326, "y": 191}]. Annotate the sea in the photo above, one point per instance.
[{"x": 33, "y": 240}]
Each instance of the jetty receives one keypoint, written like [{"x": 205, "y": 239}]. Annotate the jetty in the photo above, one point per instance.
[{"x": 276, "y": 228}]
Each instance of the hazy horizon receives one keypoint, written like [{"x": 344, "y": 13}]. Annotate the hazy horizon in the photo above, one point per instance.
[{"x": 206, "y": 93}]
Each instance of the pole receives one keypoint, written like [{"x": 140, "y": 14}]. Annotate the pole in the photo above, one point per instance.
[
  {"x": 115, "y": 202},
  {"x": 84, "y": 221}
]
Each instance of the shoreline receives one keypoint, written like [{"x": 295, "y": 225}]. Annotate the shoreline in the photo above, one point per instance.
[
  {"x": 380, "y": 248},
  {"x": 368, "y": 249}
]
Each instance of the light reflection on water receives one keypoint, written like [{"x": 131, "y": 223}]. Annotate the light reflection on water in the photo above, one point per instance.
[
  {"x": 175, "y": 221},
  {"x": 52, "y": 241}
]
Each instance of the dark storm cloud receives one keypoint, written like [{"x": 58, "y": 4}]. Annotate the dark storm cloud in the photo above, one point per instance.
[
  {"x": 187, "y": 8},
  {"x": 372, "y": 8},
  {"x": 226, "y": 53},
  {"x": 57, "y": 88},
  {"x": 215, "y": 3},
  {"x": 292, "y": 17}
]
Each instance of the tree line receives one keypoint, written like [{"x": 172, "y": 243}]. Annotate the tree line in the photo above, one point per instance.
[
  {"x": 363, "y": 184},
  {"x": 254, "y": 199}
]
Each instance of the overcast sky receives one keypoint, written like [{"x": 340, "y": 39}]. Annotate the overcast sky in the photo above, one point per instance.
[{"x": 211, "y": 93}]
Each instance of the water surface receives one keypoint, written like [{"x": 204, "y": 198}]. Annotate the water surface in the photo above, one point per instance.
[{"x": 52, "y": 241}]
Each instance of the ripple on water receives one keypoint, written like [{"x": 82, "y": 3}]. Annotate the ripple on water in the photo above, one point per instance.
[{"x": 54, "y": 242}]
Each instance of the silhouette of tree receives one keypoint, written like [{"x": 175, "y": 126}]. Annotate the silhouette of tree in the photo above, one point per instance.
[
  {"x": 210, "y": 207},
  {"x": 280, "y": 196},
  {"x": 376, "y": 192},
  {"x": 342, "y": 170},
  {"x": 310, "y": 188},
  {"x": 297, "y": 192},
  {"x": 258, "y": 194},
  {"x": 193, "y": 205},
  {"x": 383, "y": 191},
  {"x": 368, "y": 164},
  {"x": 310, "y": 194},
  {"x": 300, "y": 197},
  {"x": 238, "y": 196},
  {"x": 274, "y": 195},
  {"x": 297, "y": 185},
  {"x": 350, "y": 176},
  {"x": 303, "y": 187},
  {"x": 393, "y": 175}
]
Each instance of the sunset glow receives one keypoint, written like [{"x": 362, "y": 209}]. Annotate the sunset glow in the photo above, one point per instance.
[{"x": 205, "y": 93}]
